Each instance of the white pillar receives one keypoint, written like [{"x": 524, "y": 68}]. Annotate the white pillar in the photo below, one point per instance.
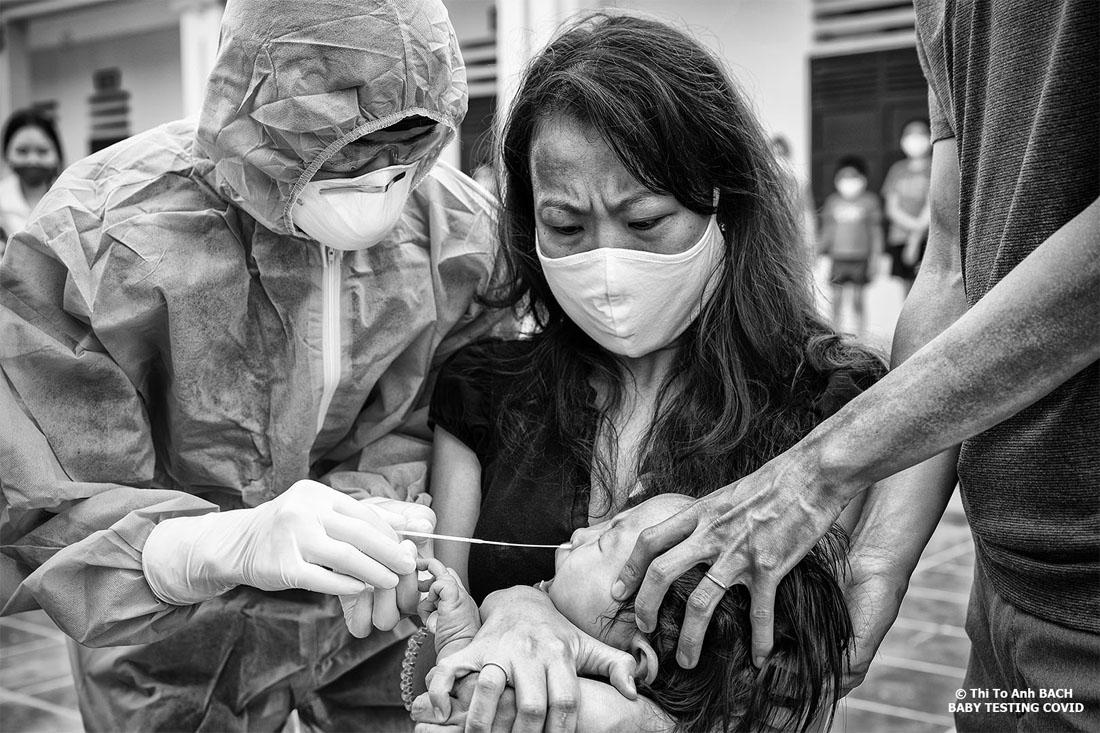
[
  {"x": 15, "y": 70},
  {"x": 200, "y": 24}
]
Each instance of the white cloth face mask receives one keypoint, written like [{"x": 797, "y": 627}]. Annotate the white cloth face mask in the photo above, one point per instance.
[
  {"x": 915, "y": 146},
  {"x": 354, "y": 213},
  {"x": 631, "y": 302},
  {"x": 850, "y": 188}
]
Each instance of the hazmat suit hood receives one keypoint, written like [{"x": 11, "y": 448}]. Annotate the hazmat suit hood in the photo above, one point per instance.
[{"x": 294, "y": 82}]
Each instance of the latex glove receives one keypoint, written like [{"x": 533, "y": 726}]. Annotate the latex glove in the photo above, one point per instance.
[
  {"x": 382, "y": 608},
  {"x": 540, "y": 653},
  {"x": 310, "y": 536}
]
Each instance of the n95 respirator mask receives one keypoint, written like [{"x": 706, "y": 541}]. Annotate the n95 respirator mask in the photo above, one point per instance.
[{"x": 354, "y": 213}]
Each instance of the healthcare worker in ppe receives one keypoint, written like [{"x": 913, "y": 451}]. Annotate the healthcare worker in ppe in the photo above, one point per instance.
[{"x": 217, "y": 341}]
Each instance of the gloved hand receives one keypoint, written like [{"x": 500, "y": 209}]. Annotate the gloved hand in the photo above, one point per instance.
[
  {"x": 311, "y": 537},
  {"x": 382, "y": 608}
]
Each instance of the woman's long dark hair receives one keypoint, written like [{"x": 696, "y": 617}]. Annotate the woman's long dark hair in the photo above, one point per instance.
[{"x": 740, "y": 391}]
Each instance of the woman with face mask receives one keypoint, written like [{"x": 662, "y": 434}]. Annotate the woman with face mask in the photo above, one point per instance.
[
  {"x": 650, "y": 235},
  {"x": 32, "y": 150}
]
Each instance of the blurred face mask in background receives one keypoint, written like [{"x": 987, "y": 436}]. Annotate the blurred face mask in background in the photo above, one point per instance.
[
  {"x": 850, "y": 187},
  {"x": 354, "y": 213},
  {"x": 35, "y": 175},
  {"x": 916, "y": 145}
]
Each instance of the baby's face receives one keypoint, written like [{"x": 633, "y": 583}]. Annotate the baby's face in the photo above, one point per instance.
[{"x": 585, "y": 571}]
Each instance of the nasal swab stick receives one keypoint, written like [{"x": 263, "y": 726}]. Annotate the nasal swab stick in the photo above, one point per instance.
[{"x": 474, "y": 540}]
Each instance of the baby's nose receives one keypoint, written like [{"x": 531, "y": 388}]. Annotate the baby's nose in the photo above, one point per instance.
[{"x": 581, "y": 535}]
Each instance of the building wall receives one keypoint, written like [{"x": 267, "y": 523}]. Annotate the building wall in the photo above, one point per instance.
[
  {"x": 470, "y": 18},
  {"x": 766, "y": 45},
  {"x": 150, "y": 66}
]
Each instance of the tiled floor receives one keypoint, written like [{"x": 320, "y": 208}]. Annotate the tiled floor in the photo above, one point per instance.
[
  {"x": 923, "y": 658},
  {"x": 36, "y": 689}
]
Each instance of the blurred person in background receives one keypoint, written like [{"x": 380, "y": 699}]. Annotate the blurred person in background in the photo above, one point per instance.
[
  {"x": 32, "y": 151},
  {"x": 217, "y": 340},
  {"x": 800, "y": 184},
  {"x": 905, "y": 193},
  {"x": 851, "y": 237}
]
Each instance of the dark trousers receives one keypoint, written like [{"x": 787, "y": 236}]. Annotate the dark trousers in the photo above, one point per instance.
[{"x": 1015, "y": 652}]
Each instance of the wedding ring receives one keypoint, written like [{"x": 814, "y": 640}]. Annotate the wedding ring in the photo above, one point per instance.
[
  {"x": 502, "y": 669},
  {"x": 717, "y": 582}
]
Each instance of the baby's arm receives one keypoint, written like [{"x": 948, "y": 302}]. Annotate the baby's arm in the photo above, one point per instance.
[{"x": 448, "y": 610}]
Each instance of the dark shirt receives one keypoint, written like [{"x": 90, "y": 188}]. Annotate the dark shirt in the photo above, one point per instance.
[
  {"x": 549, "y": 501},
  {"x": 1017, "y": 85}
]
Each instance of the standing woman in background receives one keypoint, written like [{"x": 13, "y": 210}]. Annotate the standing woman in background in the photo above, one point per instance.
[{"x": 32, "y": 150}]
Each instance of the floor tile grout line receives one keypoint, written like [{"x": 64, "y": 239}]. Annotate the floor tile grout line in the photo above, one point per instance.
[
  {"x": 967, "y": 572},
  {"x": 923, "y": 591},
  {"x": 920, "y": 625},
  {"x": 916, "y": 665},
  {"x": 47, "y": 685},
  {"x": 870, "y": 706},
  {"x": 948, "y": 553},
  {"x": 11, "y": 696},
  {"x": 27, "y": 626},
  {"x": 25, "y": 647}
]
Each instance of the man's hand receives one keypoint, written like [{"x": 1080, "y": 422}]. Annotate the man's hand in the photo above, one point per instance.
[
  {"x": 526, "y": 644},
  {"x": 751, "y": 533}
]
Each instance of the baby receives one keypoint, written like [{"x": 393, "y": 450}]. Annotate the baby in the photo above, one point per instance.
[{"x": 796, "y": 688}]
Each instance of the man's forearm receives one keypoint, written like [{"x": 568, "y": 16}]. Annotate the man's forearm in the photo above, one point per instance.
[{"x": 1031, "y": 332}]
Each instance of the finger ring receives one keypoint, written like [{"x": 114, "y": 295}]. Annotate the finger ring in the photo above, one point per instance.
[
  {"x": 501, "y": 668},
  {"x": 716, "y": 581}
]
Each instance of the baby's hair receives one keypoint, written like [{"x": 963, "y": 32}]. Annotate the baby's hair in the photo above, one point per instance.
[{"x": 799, "y": 683}]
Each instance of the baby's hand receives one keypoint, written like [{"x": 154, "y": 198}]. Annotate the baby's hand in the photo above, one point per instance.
[{"x": 448, "y": 610}]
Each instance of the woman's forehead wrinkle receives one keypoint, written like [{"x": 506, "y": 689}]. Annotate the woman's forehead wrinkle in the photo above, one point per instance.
[{"x": 583, "y": 175}]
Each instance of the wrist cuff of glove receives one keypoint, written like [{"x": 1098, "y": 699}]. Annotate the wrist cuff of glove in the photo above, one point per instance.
[{"x": 173, "y": 565}]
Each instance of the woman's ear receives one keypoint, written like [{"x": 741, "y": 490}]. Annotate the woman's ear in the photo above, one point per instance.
[{"x": 645, "y": 657}]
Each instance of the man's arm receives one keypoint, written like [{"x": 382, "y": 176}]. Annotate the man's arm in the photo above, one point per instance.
[
  {"x": 1030, "y": 333},
  {"x": 902, "y": 511}
]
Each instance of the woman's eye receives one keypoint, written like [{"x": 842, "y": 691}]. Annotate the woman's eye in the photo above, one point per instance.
[
  {"x": 566, "y": 230},
  {"x": 646, "y": 224}
]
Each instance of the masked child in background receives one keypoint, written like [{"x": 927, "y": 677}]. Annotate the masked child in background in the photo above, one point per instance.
[
  {"x": 851, "y": 236},
  {"x": 905, "y": 192},
  {"x": 724, "y": 692}
]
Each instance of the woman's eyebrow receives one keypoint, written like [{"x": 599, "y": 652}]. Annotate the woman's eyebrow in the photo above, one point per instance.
[
  {"x": 633, "y": 200},
  {"x": 562, "y": 204}
]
